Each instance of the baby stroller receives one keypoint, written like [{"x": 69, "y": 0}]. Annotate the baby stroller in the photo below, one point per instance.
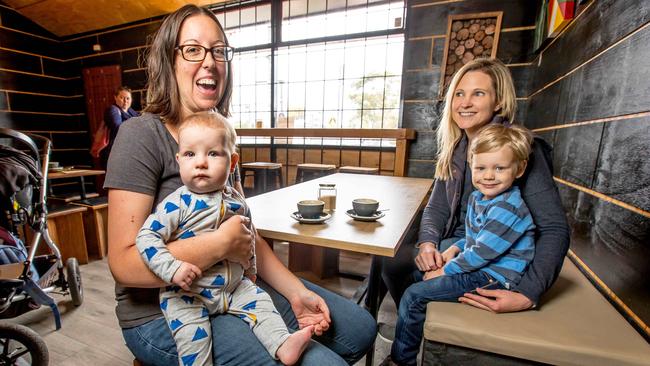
[{"x": 26, "y": 279}]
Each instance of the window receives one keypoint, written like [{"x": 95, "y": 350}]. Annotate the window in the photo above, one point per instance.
[{"x": 336, "y": 64}]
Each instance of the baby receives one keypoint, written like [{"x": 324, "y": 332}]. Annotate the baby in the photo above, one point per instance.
[{"x": 206, "y": 157}]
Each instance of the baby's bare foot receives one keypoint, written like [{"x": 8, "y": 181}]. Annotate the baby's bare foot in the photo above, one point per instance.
[{"x": 290, "y": 351}]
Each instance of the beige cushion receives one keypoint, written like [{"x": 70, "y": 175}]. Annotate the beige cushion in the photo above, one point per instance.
[{"x": 575, "y": 325}]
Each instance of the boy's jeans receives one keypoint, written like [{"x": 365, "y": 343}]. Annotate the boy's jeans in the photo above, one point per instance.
[{"x": 413, "y": 306}]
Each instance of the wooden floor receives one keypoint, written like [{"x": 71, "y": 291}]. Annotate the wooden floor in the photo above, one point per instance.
[{"x": 91, "y": 336}]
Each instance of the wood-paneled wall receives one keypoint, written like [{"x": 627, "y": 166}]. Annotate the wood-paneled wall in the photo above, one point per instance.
[
  {"x": 426, "y": 24},
  {"x": 589, "y": 97},
  {"x": 587, "y": 94}
]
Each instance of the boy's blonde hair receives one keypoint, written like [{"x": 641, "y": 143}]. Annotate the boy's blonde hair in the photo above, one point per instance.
[
  {"x": 495, "y": 136},
  {"x": 448, "y": 133},
  {"x": 212, "y": 120}
]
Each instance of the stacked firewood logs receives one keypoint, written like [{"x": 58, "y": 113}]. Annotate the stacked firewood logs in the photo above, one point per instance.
[{"x": 468, "y": 40}]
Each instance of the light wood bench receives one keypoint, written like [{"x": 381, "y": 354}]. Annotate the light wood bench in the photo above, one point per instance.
[
  {"x": 575, "y": 325},
  {"x": 95, "y": 224},
  {"x": 66, "y": 228}
]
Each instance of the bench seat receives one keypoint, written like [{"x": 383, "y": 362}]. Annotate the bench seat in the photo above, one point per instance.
[{"x": 575, "y": 325}]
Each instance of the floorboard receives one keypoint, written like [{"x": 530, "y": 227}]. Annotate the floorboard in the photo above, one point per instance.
[{"x": 90, "y": 334}]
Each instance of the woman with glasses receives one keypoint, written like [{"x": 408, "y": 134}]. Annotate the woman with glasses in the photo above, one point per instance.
[{"x": 189, "y": 71}]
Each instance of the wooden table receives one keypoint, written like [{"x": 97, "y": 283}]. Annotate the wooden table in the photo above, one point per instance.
[
  {"x": 402, "y": 196},
  {"x": 76, "y": 173}
]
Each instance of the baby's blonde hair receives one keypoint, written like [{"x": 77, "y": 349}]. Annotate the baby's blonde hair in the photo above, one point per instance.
[
  {"x": 212, "y": 120},
  {"x": 495, "y": 136}
]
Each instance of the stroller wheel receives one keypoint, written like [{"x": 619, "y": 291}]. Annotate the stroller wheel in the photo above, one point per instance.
[
  {"x": 20, "y": 345},
  {"x": 74, "y": 281}
]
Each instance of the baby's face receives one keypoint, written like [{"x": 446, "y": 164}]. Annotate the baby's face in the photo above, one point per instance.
[
  {"x": 494, "y": 172},
  {"x": 203, "y": 158}
]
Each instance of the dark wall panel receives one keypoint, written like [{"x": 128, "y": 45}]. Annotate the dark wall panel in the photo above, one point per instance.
[
  {"x": 575, "y": 153},
  {"x": 420, "y": 85},
  {"x": 613, "y": 242},
  {"x": 42, "y": 122},
  {"x": 3, "y": 100},
  {"x": 599, "y": 70},
  {"x": 31, "y": 44},
  {"x": 127, "y": 38},
  {"x": 624, "y": 163},
  {"x": 37, "y": 84},
  {"x": 421, "y": 116},
  {"x": 516, "y": 47},
  {"x": 20, "y": 62},
  {"x": 602, "y": 24},
  {"x": 62, "y": 69},
  {"x": 45, "y": 103},
  {"x": 432, "y": 20},
  {"x": 419, "y": 58}
]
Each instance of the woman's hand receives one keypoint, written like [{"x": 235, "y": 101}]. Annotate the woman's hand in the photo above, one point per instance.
[
  {"x": 497, "y": 301},
  {"x": 428, "y": 258},
  {"x": 310, "y": 309},
  {"x": 236, "y": 230}
]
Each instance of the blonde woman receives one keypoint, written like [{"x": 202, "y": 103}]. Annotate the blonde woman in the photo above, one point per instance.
[{"x": 482, "y": 92}]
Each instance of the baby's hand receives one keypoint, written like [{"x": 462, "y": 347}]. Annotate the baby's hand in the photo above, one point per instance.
[
  {"x": 185, "y": 275},
  {"x": 450, "y": 253}
]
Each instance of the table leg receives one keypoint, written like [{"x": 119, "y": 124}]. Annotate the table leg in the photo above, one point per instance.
[
  {"x": 374, "y": 293},
  {"x": 82, "y": 194}
]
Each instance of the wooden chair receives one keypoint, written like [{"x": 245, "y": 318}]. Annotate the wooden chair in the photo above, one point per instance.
[
  {"x": 264, "y": 174},
  {"x": 358, "y": 170},
  {"x": 312, "y": 171}
]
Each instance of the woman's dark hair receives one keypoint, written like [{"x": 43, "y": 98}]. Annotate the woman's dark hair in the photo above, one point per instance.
[
  {"x": 121, "y": 89},
  {"x": 162, "y": 89}
]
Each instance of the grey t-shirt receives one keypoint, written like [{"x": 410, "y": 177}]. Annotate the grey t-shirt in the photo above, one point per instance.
[{"x": 143, "y": 160}]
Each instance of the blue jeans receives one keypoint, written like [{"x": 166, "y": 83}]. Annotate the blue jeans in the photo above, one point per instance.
[
  {"x": 413, "y": 306},
  {"x": 351, "y": 334}
]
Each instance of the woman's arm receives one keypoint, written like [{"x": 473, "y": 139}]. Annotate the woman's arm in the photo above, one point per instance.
[
  {"x": 128, "y": 211},
  {"x": 113, "y": 118}
]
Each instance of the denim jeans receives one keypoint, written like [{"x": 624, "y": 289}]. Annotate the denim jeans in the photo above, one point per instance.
[
  {"x": 351, "y": 334},
  {"x": 413, "y": 307}
]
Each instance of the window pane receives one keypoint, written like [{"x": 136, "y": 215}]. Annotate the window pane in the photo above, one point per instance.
[
  {"x": 296, "y": 96},
  {"x": 353, "y": 90},
  {"x": 314, "y": 101},
  {"x": 304, "y": 20},
  {"x": 333, "y": 98},
  {"x": 373, "y": 93}
]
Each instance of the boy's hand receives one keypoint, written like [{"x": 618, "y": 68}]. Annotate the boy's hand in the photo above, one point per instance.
[
  {"x": 450, "y": 253},
  {"x": 185, "y": 275},
  {"x": 433, "y": 274}
]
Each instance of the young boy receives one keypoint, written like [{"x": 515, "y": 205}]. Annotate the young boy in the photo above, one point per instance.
[
  {"x": 499, "y": 241},
  {"x": 206, "y": 156}
]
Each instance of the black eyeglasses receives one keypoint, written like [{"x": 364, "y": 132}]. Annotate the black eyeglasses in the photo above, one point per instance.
[{"x": 197, "y": 53}]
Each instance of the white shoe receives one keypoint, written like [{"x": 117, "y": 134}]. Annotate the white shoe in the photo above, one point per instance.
[{"x": 386, "y": 332}]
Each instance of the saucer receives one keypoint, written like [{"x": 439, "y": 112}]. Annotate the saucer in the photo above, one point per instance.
[
  {"x": 376, "y": 216},
  {"x": 323, "y": 217}
]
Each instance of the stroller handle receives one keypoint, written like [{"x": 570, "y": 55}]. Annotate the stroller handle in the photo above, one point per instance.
[{"x": 27, "y": 140}]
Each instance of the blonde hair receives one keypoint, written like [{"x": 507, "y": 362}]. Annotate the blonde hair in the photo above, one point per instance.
[
  {"x": 448, "y": 133},
  {"x": 495, "y": 136},
  {"x": 212, "y": 120}
]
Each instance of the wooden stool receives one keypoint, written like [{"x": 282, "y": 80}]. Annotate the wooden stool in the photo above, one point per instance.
[
  {"x": 358, "y": 170},
  {"x": 312, "y": 171},
  {"x": 263, "y": 174},
  {"x": 96, "y": 225},
  {"x": 65, "y": 225}
]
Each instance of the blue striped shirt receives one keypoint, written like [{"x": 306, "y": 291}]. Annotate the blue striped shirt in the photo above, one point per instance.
[{"x": 499, "y": 238}]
